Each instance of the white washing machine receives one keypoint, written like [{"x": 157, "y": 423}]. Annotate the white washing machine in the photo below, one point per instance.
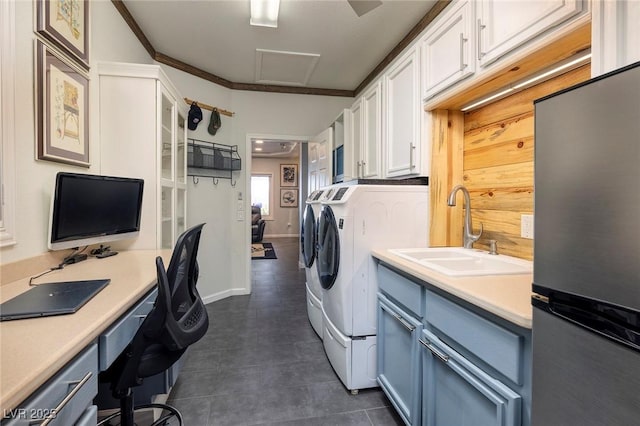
[
  {"x": 308, "y": 238},
  {"x": 354, "y": 220}
]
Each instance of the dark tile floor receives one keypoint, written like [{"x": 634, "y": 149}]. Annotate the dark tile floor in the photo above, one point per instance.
[{"x": 262, "y": 363}]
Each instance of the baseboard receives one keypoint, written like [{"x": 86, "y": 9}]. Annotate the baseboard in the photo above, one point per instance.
[
  {"x": 281, "y": 236},
  {"x": 224, "y": 294}
]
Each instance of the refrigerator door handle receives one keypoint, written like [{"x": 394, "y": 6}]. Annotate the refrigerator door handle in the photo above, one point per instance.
[{"x": 598, "y": 322}]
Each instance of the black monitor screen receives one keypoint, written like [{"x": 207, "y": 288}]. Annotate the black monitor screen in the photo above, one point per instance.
[{"x": 89, "y": 209}]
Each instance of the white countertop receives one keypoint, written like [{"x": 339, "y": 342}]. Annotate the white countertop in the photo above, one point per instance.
[{"x": 507, "y": 296}]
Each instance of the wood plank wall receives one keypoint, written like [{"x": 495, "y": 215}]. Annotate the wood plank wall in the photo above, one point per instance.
[{"x": 498, "y": 164}]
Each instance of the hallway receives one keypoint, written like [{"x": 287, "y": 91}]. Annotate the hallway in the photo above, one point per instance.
[{"x": 262, "y": 363}]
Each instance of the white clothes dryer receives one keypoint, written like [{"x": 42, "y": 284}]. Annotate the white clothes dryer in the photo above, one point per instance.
[
  {"x": 308, "y": 239},
  {"x": 353, "y": 221}
]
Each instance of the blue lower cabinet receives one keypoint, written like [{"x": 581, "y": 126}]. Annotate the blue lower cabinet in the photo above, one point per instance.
[
  {"x": 456, "y": 392},
  {"x": 398, "y": 358}
]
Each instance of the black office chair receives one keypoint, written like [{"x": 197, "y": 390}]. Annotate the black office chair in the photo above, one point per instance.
[{"x": 177, "y": 320}]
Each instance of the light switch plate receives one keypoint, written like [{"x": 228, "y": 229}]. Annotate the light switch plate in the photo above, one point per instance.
[
  {"x": 526, "y": 226},
  {"x": 240, "y": 216}
]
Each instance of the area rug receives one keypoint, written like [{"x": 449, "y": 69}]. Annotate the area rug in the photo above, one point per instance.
[{"x": 263, "y": 251}]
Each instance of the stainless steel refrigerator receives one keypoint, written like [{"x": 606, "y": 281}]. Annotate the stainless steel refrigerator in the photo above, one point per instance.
[{"x": 586, "y": 271}]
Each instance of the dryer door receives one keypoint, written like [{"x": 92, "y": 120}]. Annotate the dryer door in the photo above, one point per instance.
[
  {"x": 328, "y": 251},
  {"x": 308, "y": 236}
]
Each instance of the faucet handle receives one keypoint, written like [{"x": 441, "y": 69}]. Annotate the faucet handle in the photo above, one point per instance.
[{"x": 493, "y": 247}]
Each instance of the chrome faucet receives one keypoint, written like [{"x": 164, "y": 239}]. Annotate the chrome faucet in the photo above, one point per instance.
[{"x": 469, "y": 237}]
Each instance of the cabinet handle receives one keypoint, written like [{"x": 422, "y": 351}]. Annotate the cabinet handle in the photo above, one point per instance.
[
  {"x": 364, "y": 163},
  {"x": 359, "y": 167},
  {"x": 404, "y": 322},
  {"x": 67, "y": 398},
  {"x": 479, "y": 28},
  {"x": 462, "y": 42},
  {"x": 412, "y": 148},
  {"x": 434, "y": 351}
]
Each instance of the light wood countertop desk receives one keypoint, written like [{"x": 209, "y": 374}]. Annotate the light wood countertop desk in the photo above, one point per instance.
[{"x": 33, "y": 350}]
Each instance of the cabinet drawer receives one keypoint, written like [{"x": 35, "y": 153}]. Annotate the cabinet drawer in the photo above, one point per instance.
[
  {"x": 113, "y": 341},
  {"x": 457, "y": 392},
  {"x": 404, "y": 291},
  {"x": 65, "y": 397},
  {"x": 495, "y": 345}
]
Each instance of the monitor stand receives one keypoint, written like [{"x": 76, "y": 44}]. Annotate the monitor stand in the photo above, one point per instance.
[{"x": 103, "y": 252}]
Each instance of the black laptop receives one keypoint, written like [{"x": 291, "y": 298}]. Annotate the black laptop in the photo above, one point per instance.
[{"x": 49, "y": 299}]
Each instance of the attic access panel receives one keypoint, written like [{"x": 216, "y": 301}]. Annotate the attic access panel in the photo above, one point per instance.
[{"x": 284, "y": 68}]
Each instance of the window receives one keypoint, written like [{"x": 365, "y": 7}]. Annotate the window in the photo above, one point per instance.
[
  {"x": 262, "y": 193},
  {"x": 7, "y": 131}
]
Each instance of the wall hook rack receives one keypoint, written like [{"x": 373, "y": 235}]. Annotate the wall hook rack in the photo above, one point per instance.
[{"x": 209, "y": 107}]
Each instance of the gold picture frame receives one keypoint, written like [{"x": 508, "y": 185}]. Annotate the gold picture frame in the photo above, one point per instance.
[
  {"x": 62, "y": 108},
  {"x": 65, "y": 23}
]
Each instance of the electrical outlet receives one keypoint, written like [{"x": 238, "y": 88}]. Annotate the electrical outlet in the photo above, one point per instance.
[
  {"x": 240, "y": 216},
  {"x": 526, "y": 226}
]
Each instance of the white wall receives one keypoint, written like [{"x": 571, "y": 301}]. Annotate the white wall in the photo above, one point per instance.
[{"x": 111, "y": 40}]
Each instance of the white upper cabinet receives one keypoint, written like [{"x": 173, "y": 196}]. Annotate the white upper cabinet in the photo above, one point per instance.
[
  {"x": 615, "y": 35},
  {"x": 320, "y": 161},
  {"x": 448, "y": 53},
  {"x": 402, "y": 113},
  {"x": 366, "y": 134},
  {"x": 503, "y": 25},
  {"x": 143, "y": 133},
  {"x": 371, "y": 157}
]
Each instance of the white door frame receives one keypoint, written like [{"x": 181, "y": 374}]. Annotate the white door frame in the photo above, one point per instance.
[{"x": 247, "y": 192}]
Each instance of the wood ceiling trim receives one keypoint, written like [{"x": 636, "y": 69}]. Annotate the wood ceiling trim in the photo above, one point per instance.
[
  {"x": 271, "y": 88},
  {"x": 190, "y": 69},
  {"x": 137, "y": 31}
]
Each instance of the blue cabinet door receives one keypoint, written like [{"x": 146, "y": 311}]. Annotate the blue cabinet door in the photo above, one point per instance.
[
  {"x": 398, "y": 357},
  {"x": 456, "y": 392}
]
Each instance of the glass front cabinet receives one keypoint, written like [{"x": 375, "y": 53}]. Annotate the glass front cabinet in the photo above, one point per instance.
[{"x": 143, "y": 134}]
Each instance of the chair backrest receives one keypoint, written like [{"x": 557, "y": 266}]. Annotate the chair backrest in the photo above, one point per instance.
[
  {"x": 177, "y": 319},
  {"x": 188, "y": 320},
  {"x": 256, "y": 215}
]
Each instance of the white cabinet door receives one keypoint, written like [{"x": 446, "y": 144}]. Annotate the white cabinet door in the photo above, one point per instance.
[
  {"x": 447, "y": 49},
  {"x": 356, "y": 141},
  {"x": 503, "y": 25},
  {"x": 320, "y": 160},
  {"x": 370, "y": 156},
  {"x": 402, "y": 100}
]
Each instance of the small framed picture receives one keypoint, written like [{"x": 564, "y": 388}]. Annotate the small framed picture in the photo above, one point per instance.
[
  {"x": 288, "y": 198},
  {"x": 65, "y": 23},
  {"x": 289, "y": 175},
  {"x": 62, "y": 108}
]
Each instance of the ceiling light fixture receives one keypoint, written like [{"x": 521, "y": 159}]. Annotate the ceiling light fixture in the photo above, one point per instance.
[
  {"x": 264, "y": 13},
  {"x": 259, "y": 141},
  {"x": 257, "y": 149},
  {"x": 564, "y": 66}
]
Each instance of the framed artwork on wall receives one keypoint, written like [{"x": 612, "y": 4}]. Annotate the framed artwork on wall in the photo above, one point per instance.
[
  {"x": 288, "y": 198},
  {"x": 62, "y": 108},
  {"x": 289, "y": 175},
  {"x": 65, "y": 23}
]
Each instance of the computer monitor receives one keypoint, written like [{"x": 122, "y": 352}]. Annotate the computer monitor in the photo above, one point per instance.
[{"x": 91, "y": 209}]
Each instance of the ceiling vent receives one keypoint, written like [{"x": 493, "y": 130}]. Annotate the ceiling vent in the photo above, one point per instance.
[{"x": 284, "y": 68}]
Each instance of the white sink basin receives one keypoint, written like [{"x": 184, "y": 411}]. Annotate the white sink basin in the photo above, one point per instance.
[{"x": 460, "y": 262}]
